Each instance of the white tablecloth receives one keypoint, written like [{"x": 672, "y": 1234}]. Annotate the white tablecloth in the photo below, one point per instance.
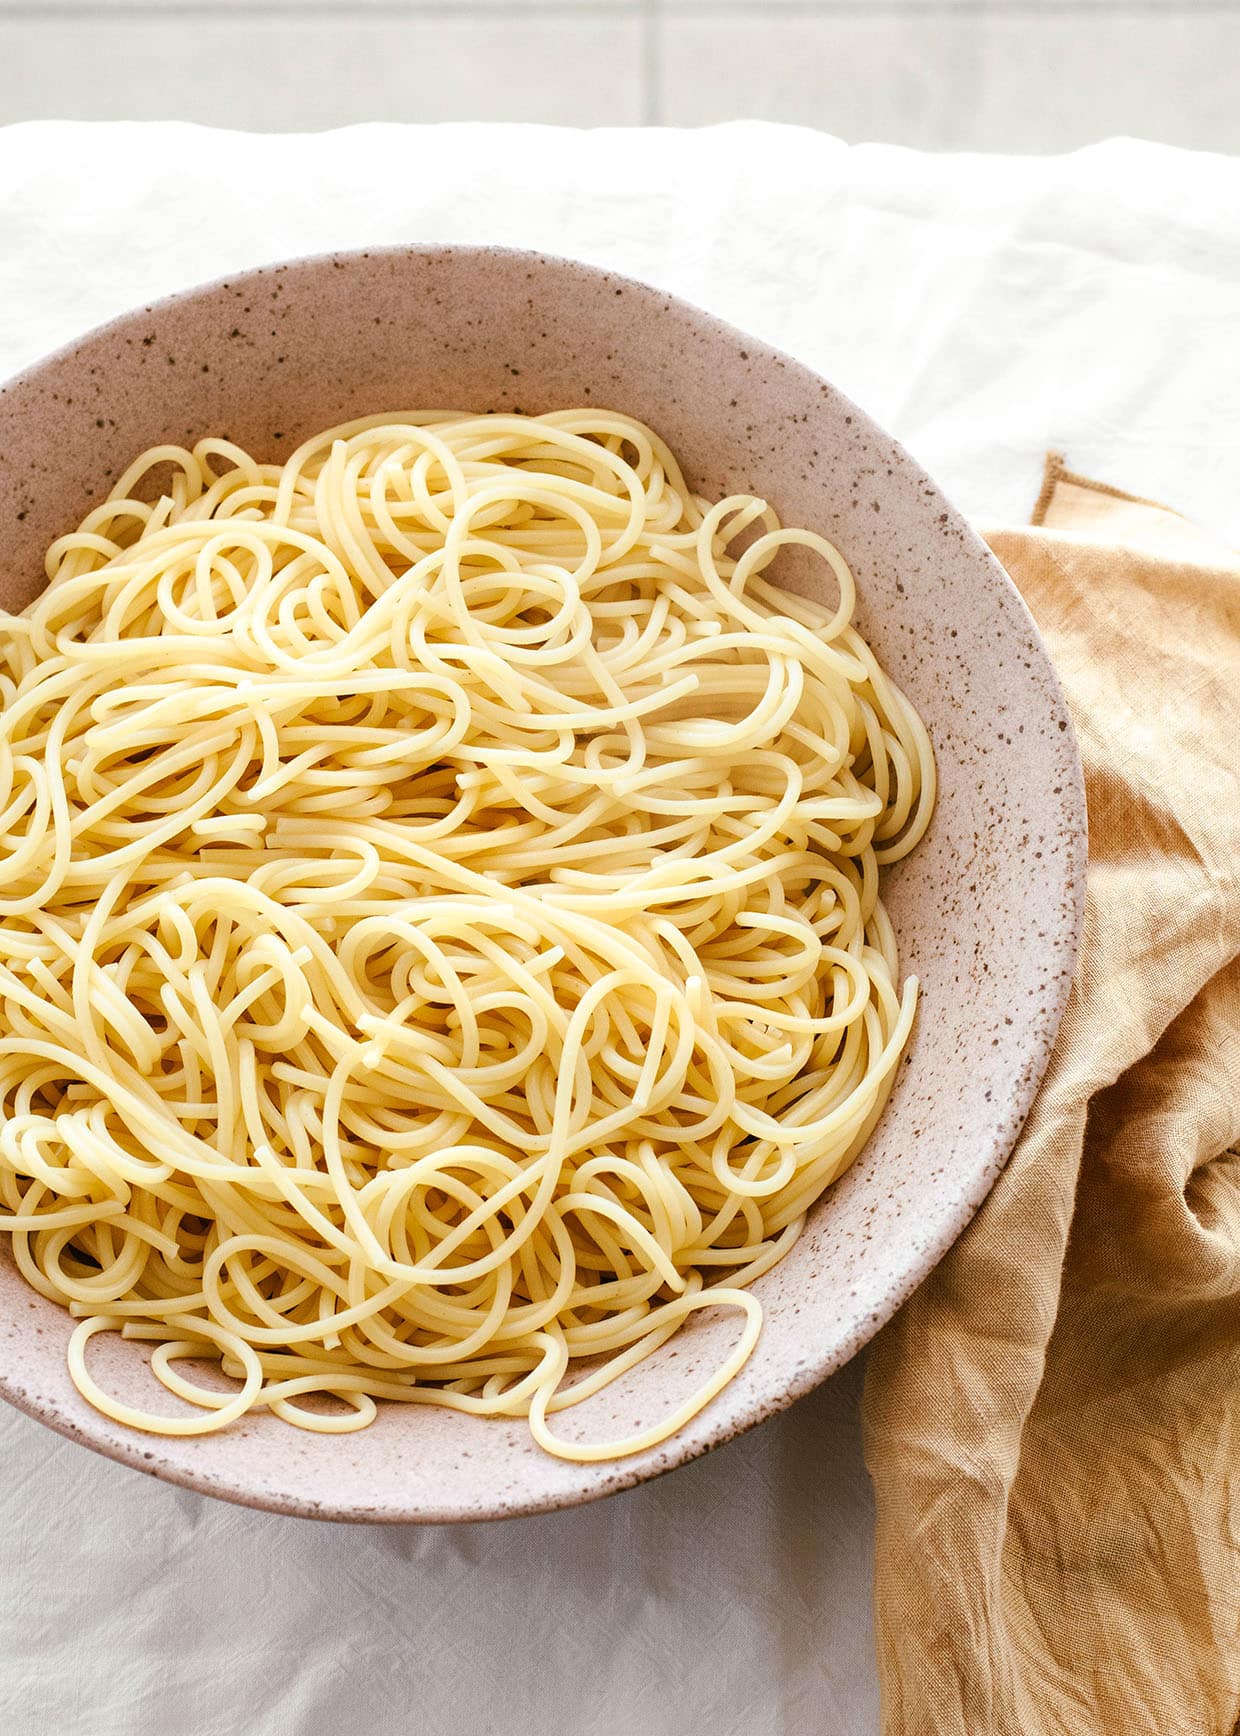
[{"x": 982, "y": 308}]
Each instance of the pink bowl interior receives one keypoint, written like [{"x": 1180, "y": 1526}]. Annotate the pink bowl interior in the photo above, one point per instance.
[{"x": 987, "y": 911}]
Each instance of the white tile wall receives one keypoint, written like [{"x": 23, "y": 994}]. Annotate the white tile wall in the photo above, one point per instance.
[
  {"x": 267, "y": 72},
  {"x": 863, "y": 9},
  {"x": 941, "y": 74},
  {"x": 1008, "y": 79}
]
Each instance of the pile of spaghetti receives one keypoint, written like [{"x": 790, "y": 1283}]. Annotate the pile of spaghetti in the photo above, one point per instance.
[{"x": 440, "y": 941}]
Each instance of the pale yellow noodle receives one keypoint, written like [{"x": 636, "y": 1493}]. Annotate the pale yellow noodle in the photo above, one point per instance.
[{"x": 440, "y": 942}]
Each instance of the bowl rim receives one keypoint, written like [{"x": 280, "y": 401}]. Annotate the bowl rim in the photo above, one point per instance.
[{"x": 141, "y": 1452}]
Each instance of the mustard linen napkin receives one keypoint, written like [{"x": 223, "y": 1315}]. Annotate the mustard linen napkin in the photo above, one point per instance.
[{"x": 1053, "y": 1420}]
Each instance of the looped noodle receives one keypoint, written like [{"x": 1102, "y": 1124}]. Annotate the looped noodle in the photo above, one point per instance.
[{"x": 440, "y": 936}]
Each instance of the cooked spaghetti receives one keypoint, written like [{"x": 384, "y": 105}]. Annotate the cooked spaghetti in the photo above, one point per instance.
[{"x": 440, "y": 934}]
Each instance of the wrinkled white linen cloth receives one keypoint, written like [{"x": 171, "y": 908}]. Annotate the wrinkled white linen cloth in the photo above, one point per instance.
[{"x": 983, "y": 309}]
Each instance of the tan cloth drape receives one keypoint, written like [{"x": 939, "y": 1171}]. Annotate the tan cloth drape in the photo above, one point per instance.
[{"x": 1053, "y": 1420}]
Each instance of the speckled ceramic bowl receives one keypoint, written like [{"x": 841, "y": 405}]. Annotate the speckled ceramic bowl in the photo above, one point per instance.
[{"x": 987, "y": 910}]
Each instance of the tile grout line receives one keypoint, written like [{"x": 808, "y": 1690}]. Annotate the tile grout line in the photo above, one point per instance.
[{"x": 652, "y": 63}]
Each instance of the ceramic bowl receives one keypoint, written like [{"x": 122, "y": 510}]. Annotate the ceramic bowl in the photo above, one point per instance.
[{"x": 987, "y": 910}]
